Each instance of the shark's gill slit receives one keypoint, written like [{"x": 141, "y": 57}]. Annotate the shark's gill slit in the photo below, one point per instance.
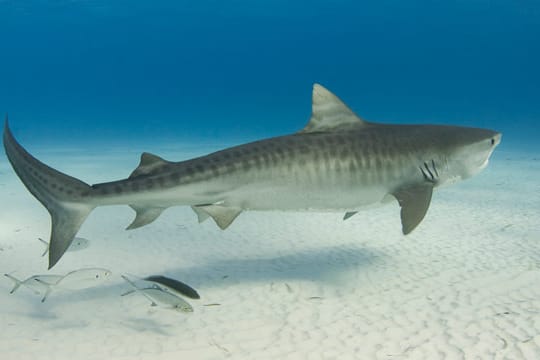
[
  {"x": 429, "y": 171},
  {"x": 434, "y": 167}
]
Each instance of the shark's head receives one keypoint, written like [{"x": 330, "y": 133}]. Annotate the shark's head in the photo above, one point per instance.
[{"x": 468, "y": 151}]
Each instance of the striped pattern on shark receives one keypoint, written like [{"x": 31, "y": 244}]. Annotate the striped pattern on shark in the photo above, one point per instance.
[{"x": 337, "y": 162}]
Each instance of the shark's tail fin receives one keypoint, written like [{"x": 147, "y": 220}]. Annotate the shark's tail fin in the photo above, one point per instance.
[{"x": 66, "y": 198}]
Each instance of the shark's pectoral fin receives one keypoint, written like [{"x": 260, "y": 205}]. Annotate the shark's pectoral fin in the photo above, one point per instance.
[
  {"x": 144, "y": 216},
  {"x": 222, "y": 215},
  {"x": 349, "y": 214},
  {"x": 414, "y": 201}
]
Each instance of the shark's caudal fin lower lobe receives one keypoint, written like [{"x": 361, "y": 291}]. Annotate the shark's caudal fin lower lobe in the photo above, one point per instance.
[{"x": 65, "y": 197}]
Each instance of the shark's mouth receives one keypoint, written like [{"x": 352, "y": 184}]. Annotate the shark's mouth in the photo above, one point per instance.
[{"x": 484, "y": 164}]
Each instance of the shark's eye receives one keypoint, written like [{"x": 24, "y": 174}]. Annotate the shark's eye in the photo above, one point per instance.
[{"x": 492, "y": 141}]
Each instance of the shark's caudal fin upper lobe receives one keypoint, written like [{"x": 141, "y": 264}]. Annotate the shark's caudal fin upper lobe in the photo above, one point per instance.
[{"x": 65, "y": 197}]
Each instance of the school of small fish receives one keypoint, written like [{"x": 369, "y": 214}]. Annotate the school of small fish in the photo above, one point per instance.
[
  {"x": 163, "y": 292},
  {"x": 73, "y": 280}
]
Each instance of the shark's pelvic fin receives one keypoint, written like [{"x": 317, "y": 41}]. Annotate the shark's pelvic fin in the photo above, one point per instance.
[
  {"x": 148, "y": 164},
  {"x": 414, "y": 201},
  {"x": 62, "y": 195},
  {"x": 144, "y": 216},
  {"x": 222, "y": 215},
  {"x": 329, "y": 113}
]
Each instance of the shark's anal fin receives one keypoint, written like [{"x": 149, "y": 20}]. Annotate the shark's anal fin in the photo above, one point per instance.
[
  {"x": 329, "y": 113},
  {"x": 222, "y": 215},
  {"x": 148, "y": 164},
  {"x": 414, "y": 201},
  {"x": 144, "y": 216},
  {"x": 349, "y": 214}
]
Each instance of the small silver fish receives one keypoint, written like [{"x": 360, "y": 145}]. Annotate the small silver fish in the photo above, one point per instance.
[
  {"x": 160, "y": 297},
  {"x": 31, "y": 283},
  {"x": 77, "y": 280},
  {"x": 78, "y": 243}
]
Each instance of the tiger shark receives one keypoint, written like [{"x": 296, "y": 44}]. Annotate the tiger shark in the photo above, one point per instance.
[{"x": 337, "y": 162}]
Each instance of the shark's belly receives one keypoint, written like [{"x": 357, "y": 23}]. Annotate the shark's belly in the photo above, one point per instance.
[
  {"x": 289, "y": 192},
  {"x": 286, "y": 194},
  {"x": 306, "y": 199}
]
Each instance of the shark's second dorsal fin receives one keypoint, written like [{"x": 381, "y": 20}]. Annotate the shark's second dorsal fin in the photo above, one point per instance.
[
  {"x": 329, "y": 113},
  {"x": 149, "y": 163}
]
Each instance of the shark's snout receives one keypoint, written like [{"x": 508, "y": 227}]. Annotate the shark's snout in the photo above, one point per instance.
[{"x": 497, "y": 139}]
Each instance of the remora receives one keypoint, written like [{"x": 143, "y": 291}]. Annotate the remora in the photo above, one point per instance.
[{"x": 337, "y": 162}]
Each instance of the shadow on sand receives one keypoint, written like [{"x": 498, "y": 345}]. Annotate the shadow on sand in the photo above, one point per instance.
[{"x": 317, "y": 265}]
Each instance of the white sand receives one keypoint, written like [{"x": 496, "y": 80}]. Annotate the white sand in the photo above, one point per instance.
[{"x": 465, "y": 284}]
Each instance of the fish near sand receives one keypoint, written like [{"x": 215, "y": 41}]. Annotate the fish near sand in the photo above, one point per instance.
[
  {"x": 171, "y": 285},
  {"x": 32, "y": 283},
  {"x": 337, "y": 162},
  {"x": 174, "y": 285},
  {"x": 160, "y": 297},
  {"x": 77, "y": 244},
  {"x": 76, "y": 280}
]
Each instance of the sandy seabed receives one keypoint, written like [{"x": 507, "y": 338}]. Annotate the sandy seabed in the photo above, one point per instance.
[{"x": 464, "y": 285}]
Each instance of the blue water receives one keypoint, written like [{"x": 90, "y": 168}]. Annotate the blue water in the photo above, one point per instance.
[
  {"x": 80, "y": 76},
  {"x": 177, "y": 71}
]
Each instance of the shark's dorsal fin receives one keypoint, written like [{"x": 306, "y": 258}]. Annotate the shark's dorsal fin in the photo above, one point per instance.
[
  {"x": 329, "y": 113},
  {"x": 149, "y": 163},
  {"x": 414, "y": 201}
]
